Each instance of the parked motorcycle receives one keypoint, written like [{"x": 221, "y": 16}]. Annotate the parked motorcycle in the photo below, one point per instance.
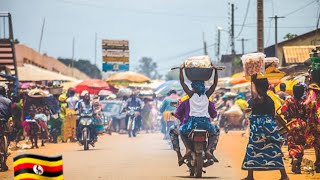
[
  {"x": 198, "y": 139},
  {"x": 86, "y": 130}
]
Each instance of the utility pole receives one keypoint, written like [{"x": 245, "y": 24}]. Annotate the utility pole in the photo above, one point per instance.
[
  {"x": 72, "y": 60},
  {"x": 42, "y": 29},
  {"x": 233, "y": 51},
  {"x": 276, "y": 33},
  {"x": 204, "y": 45},
  {"x": 242, "y": 43},
  {"x": 219, "y": 42},
  {"x": 260, "y": 34}
]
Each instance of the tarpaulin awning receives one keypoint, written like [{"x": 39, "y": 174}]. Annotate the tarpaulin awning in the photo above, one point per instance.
[
  {"x": 29, "y": 72},
  {"x": 128, "y": 77},
  {"x": 93, "y": 86}
]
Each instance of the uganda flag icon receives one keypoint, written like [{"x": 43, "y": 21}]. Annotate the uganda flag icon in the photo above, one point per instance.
[{"x": 32, "y": 167}]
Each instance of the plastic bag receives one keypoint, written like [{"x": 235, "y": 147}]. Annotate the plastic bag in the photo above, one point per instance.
[
  {"x": 253, "y": 63},
  {"x": 198, "y": 62}
]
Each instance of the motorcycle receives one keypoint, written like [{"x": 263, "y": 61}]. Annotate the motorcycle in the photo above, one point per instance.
[
  {"x": 86, "y": 130},
  {"x": 198, "y": 139},
  {"x": 131, "y": 127},
  {"x": 107, "y": 124}
]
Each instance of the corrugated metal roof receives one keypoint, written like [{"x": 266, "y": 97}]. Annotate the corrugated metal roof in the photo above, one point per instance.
[{"x": 297, "y": 54}]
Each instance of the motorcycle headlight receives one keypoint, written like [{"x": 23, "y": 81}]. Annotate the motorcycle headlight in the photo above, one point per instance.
[
  {"x": 89, "y": 121},
  {"x": 83, "y": 122}
]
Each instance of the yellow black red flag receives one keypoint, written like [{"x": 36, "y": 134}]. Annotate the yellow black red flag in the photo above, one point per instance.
[{"x": 37, "y": 167}]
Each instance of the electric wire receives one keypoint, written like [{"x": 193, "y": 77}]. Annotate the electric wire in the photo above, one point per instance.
[{"x": 244, "y": 20}]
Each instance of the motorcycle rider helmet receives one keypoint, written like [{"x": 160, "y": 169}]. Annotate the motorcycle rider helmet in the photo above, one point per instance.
[{"x": 83, "y": 93}]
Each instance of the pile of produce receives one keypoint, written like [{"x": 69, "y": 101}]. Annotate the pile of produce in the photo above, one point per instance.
[{"x": 253, "y": 64}]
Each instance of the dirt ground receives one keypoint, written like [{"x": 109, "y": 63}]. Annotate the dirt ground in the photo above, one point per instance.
[{"x": 118, "y": 157}]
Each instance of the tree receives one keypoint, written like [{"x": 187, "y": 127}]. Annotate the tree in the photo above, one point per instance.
[
  {"x": 16, "y": 41},
  {"x": 84, "y": 66},
  {"x": 290, "y": 36},
  {"x": 149, "y": 68},
  {"x": 172, "y": 75}
]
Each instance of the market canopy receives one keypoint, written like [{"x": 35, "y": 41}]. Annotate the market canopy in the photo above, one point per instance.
[
  {"x": 128, "y": 77},
  {"x": 29, "y": 72},
  {"x": 93, "y": 86},
  {"x": 164, "y": 88}
]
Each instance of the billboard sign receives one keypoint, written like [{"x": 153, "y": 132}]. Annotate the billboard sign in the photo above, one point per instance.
[
  {"x": 115, "y": 55},
  {"x": 115, "y": 67}
]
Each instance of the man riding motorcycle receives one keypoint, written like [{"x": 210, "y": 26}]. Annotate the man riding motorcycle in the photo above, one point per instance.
[
  {"x": 134, "y": 103},
  {"x": 193, "y": 117},
  {"x": 87, "y": 106}
]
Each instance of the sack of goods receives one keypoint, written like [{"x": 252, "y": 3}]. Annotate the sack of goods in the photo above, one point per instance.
[
  {"x": 271, "y": 61},
  {"x": 234, "y": 110},
  {"x": 253, "y": 64},
  {"x": 198, "y": 62},
  {"x": 198, "y": 68}
]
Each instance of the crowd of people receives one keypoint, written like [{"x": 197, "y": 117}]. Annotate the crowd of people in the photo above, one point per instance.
[{"x": 38, "y": 114}]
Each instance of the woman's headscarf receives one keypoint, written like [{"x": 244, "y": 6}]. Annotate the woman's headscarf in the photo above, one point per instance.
[
  {"x": 198, "y": 87},
  {"x": 298, "y": 90}
]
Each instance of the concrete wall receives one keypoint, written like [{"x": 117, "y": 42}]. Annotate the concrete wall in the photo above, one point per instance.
[
  {"x": 228, "y": 71},
  {"x": 26, "y": 55}
]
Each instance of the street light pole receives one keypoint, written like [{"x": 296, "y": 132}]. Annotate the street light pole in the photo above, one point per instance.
[{"x": 276, "y": 33}]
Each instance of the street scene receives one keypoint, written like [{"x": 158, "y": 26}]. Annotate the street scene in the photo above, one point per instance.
[{"x": 168, "y": 90}]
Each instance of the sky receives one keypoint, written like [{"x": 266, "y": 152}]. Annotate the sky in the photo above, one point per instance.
[{"x": 168, "y": 31}]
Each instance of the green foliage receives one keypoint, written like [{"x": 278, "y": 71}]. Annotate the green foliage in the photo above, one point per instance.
[
  {"x": 16, "y": 41},
  {"x": 149, "y": 68},
  {"x": 84, "y": 66},
  {"x": 290, "y": 36},
  {"x": 172, "y": 75}
]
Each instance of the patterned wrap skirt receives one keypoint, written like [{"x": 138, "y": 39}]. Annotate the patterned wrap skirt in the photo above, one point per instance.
[
  {"x": 264, "y": 146},
  {"x": 199, "y": 123},
  {"x": 296, "y": 137}
]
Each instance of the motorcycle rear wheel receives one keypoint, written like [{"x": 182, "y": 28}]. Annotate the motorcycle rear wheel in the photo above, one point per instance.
[{"x": 198, "y": 165}]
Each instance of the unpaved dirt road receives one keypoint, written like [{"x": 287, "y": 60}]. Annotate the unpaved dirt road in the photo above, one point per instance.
[{"x": 147, "y": 157}]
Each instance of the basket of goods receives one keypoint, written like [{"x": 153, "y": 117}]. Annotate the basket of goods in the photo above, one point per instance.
[
  {"x": 198, "y": 68},
  {"x": 253, "y": 64}
]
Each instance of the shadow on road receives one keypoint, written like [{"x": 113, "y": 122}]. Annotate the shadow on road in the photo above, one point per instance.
[
  {"x": 90, "y": 150},
  {"x": 188, "y": 177}
]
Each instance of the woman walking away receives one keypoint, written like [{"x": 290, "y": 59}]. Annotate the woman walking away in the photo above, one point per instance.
[
  {"x": 199, "y": 116},
  {"x": 313, "y": 110},
  {"x": 264, "y": 146},
  {"x": 294, "y": 112}
]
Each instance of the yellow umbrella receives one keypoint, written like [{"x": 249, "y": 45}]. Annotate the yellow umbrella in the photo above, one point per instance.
[
  {"x": 67, "y": 85},
  {"x": 289, "y": 86},
  {"x": 128, "y": 77}
]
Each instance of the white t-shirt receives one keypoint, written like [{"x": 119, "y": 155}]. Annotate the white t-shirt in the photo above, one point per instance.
[
  {"x": 199, "y": 106},
  {"x": 72, "y": 102}
]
